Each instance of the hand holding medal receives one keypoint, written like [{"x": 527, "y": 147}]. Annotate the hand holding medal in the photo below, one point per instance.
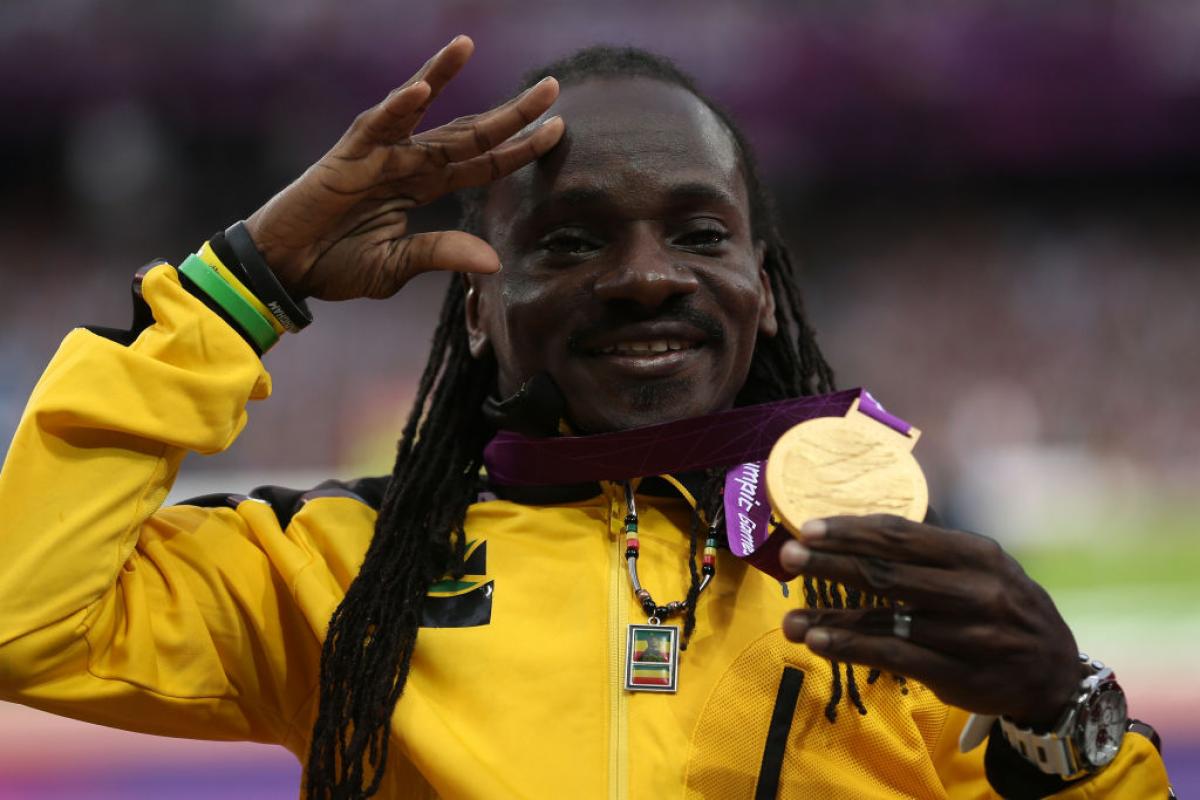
[{"x": 964, "y": 618}]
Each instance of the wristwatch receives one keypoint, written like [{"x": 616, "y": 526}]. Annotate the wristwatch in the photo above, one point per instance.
[{"x": 1087, "y": 736}]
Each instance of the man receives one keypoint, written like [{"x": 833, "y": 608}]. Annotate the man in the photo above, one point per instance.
[
  {"x": 393, "y": 633},
  {"x": 655, "y": 648}
]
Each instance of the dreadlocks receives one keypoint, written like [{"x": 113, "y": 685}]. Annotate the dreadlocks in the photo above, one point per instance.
[{"x": 419, "y": 536}]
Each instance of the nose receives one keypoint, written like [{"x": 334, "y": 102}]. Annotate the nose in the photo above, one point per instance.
[{"x": 647, "y": 271}]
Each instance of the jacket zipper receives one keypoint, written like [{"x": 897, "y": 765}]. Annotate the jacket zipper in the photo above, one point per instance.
[{"x": 618, "y": 617}]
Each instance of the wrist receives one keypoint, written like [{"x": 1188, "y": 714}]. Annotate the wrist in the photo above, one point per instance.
[
  {"x": 1049, "y": 712},
  {"x": 288, "y": 266},
  {"x": 291, "y": 313},
  {"x": 1088, "y": 733}
]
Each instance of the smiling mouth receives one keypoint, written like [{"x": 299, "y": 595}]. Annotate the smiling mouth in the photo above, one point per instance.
[
  {"x": 646, "y": 359},
  {"x": 646, "y": 347}
]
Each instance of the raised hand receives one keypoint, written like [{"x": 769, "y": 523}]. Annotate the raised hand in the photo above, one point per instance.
[
  {"x": 983, "y": 635},
  {"x": 339, "y": 231}
]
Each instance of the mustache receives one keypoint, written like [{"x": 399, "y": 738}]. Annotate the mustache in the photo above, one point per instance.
[{"x": 714, "y": 332}]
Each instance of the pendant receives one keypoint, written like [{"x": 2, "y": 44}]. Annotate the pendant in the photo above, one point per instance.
[{"x": 652, "y": 658}]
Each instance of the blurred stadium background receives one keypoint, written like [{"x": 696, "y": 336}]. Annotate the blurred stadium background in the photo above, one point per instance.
[{"x": 995, "y": 205}]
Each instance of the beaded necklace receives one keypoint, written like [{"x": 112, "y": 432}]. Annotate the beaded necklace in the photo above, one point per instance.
[{"x": 652, "y": 650}]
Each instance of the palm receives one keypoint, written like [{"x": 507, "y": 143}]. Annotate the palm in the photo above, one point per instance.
[{"x": 340, "y": 230}]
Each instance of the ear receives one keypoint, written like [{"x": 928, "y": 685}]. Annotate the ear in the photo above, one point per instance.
[
  {"x": 768, "y": 325},
  {"x": 478, "y": 341}
]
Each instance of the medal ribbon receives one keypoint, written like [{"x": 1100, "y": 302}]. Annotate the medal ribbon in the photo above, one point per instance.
[
  {"x": 748, "y": 512},
  {"x": 727, "y": 437},
  {"x": 740, "y": 436}
]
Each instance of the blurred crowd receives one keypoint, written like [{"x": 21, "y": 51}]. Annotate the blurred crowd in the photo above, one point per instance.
[{"x": 1047, "y": 349}]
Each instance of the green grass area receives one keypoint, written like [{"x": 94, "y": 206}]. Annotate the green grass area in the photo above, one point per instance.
[
  {"x": 1160, "y": 564},
  {"x": 1151, "y": 570},
  {"x": 1162, "y": 551}
]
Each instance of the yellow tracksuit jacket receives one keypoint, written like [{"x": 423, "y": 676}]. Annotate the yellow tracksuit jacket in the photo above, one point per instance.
[{"x": 206, "y": 620}]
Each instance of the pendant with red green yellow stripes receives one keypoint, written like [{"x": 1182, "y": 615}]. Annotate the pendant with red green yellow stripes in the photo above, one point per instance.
[{"x": 652, "y": 649}]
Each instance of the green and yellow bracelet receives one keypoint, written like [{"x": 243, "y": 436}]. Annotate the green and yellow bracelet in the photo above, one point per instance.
[{"x": 254, "y": 324}]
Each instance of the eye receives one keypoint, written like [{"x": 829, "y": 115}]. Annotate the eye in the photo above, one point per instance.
[
  {"x": 569, "y": 242},
  {"x": 708, "y": 237}
]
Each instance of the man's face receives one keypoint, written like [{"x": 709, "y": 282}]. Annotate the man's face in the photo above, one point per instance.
[{"x": 630, "y": 274}]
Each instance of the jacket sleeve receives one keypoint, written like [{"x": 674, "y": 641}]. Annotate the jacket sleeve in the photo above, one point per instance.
[
  {"x": 172, "y": 622},
  {"x": 996, "y": 770}
]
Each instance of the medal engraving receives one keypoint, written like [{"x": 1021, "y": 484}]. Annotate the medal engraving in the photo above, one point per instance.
[{"x": 854, "y": 464}]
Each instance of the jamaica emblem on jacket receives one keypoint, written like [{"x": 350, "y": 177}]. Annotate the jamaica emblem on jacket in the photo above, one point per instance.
[{"x": 461, "y": 602}]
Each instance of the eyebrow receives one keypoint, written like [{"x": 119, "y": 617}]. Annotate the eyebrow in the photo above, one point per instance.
[
  {"x": 700, "y": 194},
  {"x": 679, "y": 196}
]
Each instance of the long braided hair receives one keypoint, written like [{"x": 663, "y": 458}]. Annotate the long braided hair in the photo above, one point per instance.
[{"x": 419, "y": 536}]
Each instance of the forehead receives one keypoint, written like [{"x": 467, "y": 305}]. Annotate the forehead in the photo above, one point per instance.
[{"x": 634, "y": 140}]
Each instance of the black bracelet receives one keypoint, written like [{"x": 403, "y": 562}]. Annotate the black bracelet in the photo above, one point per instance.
[
  {"x": 293, "y": 315},
  {"x": 224, "y": 252}
]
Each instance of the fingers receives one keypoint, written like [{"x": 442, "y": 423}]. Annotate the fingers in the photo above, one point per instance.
[
  {"x": 401, "y": 111},
  {"x": 401, "y": 258},
  {"x": 472, "y": 136},
  {"x": 445, "y": 64},
  {"x": 508, "y": 157},
  {"x": 444, "y": 250},
  {"x": 900, "y": 559},
  {"x": 889, "y": 653},
  {"x": 867, "y": 621},
  {"x": 977, "y": 631},
  {"x": 931, "y": 586},
  {"x": 925, "y": 629},
  {"x": 893, "y": 537},
  {"x": 397, "y": 115}
]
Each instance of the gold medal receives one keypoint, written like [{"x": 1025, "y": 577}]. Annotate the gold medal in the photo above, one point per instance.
[{"x": 831, "y": 466}]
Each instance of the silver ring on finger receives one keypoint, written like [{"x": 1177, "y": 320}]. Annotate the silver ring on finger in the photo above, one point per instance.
[{"x": 901, "y": 624}]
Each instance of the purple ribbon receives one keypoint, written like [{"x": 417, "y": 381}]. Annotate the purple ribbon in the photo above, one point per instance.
[
  {"x": 748, "y": 519},
  {"x": 741, "y": 436},
  {"x": 726, "y": 437},
  {"x": 868, "y": 405},
  {"x": 747, "y": 511}
]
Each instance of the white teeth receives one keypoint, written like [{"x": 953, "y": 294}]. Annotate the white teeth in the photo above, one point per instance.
[{"x": 650, "y": 346}]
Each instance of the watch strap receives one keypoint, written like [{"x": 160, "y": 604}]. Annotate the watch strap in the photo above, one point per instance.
[
  {"x": 1015, "y": 777},
  {"x": 1055, "y": 751},
  {"x": 1049, "y": 752}
]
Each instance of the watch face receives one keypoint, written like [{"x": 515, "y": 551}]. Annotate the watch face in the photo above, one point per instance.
[{"x": 1102, "y": 725}]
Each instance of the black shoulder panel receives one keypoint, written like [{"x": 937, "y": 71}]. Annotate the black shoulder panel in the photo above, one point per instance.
[
  {"x": 142, "y": 316},
  {"x": 286, "y": 502},
  {"x": 215, "y": 500}
]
